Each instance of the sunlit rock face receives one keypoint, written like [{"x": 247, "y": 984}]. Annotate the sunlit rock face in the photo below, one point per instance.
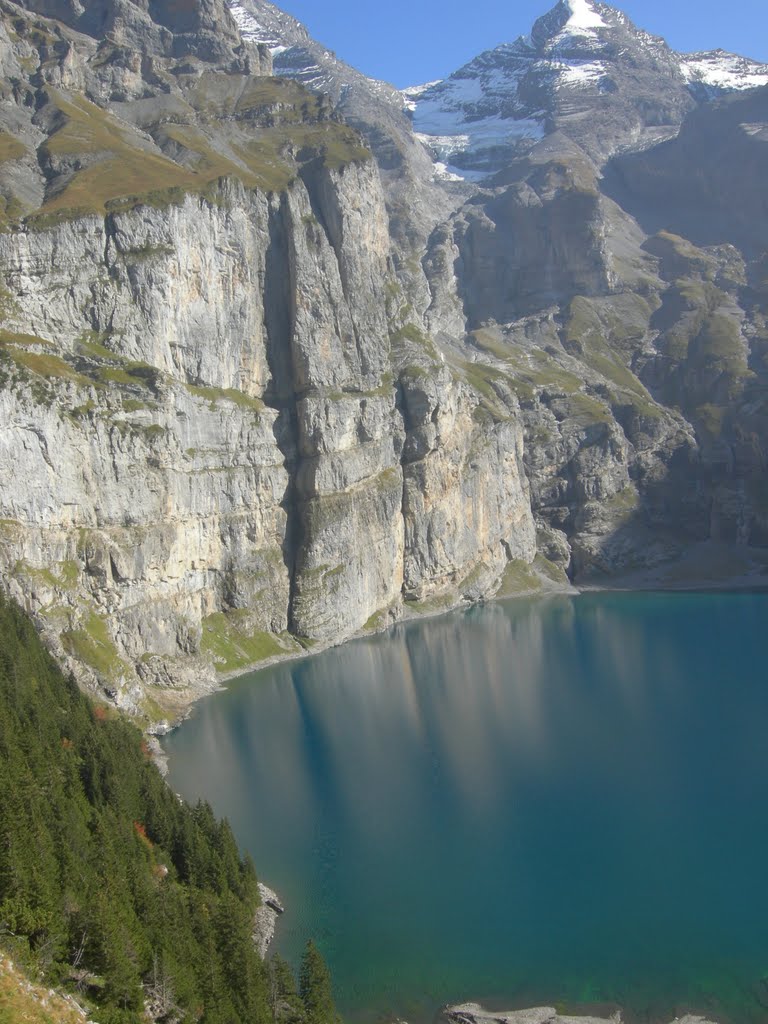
[
  {"x": 204, "y": 450},
  {"x": 279, "y": 363},
  {"x": 225, "y": 464}
]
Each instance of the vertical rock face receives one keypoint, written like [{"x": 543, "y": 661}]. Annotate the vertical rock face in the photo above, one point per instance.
[
  {"x": 204, "y": 447},
  {"x": 466, "y": 501},
  {"x": 144, "y": 503},
  {"x": 531, "y": 245},
  {"x": 204, "y": 29},
  {"x": 349, "y": 481}
]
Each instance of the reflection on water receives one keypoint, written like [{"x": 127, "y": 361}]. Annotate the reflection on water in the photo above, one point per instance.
[{"x": 561, "y": 799}]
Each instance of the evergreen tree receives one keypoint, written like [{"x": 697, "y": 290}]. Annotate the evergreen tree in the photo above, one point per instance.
[
  {"x": 108, "y": 884},
  {"x": 315, "y": 988},
  {"x": 285, "y": 1003}
]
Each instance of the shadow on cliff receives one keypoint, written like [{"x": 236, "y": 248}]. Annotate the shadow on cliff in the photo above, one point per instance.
[{"x": 694, "y": 526}]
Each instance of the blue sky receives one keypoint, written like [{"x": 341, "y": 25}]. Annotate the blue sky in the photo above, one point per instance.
[{"x": 411, "y": 41}]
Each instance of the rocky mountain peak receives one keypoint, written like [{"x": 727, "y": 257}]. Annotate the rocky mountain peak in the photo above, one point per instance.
[
  {"x": 568, "y": 18},
  {"x": 585, "y": 71}
]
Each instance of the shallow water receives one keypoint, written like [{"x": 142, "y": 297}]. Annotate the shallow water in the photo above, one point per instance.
[{"x": 538, "y": 801}]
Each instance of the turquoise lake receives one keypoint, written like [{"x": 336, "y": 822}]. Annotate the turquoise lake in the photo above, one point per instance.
[{"x": 556, "y": 800}]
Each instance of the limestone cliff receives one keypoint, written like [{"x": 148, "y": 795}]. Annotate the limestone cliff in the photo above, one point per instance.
[
  {"x": 208, "y": 453},
  {"x": 203, "y": 442}
]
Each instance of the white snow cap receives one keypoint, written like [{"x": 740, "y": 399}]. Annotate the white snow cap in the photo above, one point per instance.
[{"x": 583, "y": 15}]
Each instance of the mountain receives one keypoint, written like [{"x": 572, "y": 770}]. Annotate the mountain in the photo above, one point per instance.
[
  {"x": 375, "y": 108},
  {"x": 709, "y": 193},
  {"x": 585, "y": 71},
  {"x": 276, "y": 369}
]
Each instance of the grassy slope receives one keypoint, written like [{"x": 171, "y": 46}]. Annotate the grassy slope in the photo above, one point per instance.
[
  {"x": 232, "y": 130},
  {"x": 24, "y": 1000}
]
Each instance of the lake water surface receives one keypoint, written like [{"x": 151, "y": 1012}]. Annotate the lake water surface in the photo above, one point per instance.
[{"x": 538, "y": 801}]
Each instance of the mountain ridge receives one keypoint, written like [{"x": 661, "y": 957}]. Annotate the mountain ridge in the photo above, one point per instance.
[{"x": 560, "y": 69}]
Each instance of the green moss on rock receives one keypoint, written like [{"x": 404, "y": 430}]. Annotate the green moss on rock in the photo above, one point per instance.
[
  {"x": 234, "y": 644},
  {"x": 92, "y": 644},
  {"x": 519, "y": 578}
]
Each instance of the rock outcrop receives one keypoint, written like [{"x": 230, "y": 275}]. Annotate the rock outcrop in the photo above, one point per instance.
[
  {"x": 265, "y": 921},
  {"x": 471, "y": 1013}
]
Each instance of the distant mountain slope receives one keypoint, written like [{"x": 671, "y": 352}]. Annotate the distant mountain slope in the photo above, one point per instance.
[
  {"x": 709, "y": 182},
  {"x": 585, "y": 70},
  {"x": 373, "y": 106}
]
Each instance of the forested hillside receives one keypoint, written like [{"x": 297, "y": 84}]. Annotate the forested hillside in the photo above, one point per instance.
[{"x": 109, "y": 885}]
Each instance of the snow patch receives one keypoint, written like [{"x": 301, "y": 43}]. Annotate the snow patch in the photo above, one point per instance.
[
  {"x": 250, "y": 29},
  {"x": 444, "y": 145},
  {"x": 444, "y": 173},
  {"x": 434, "y": 121},
  {"x": 581, "y": 74},
  {"x": 473, "y": 139},
  {"x": 756, "y": 131},
  {"x": 413, "y": 93},
  {"x": 475, "y": 115},
  {"x": 583, "y": 16},
  {"x": 723, "y": 71}
]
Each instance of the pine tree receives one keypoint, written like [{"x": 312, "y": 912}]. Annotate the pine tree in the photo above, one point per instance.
[
  {"x": 285, "y": 1004},
  {"x": 108, "y": 883},
  {"x": 315, "y": 988}
]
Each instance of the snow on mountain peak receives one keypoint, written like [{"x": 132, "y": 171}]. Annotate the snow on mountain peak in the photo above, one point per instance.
[
  {"x": 583, "y": 16},
  {"x": 718, "y": 71},
  {"x": 568, "y": 22}
]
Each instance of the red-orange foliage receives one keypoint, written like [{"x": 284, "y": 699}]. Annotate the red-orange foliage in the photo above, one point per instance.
[{"x": 141, "y": 832}]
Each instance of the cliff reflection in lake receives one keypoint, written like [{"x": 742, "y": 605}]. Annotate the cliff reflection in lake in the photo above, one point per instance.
[{"x": 560, "y": 799}]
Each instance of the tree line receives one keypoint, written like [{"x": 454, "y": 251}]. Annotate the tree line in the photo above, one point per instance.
[{"x": 112, "y": 887}]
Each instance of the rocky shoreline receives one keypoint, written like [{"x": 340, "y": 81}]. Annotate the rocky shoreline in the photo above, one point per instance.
[
  {"x": 266, "y": 918},
  {"x": 473, "y": 1013},
  {"x": 697, "y": 571}
]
